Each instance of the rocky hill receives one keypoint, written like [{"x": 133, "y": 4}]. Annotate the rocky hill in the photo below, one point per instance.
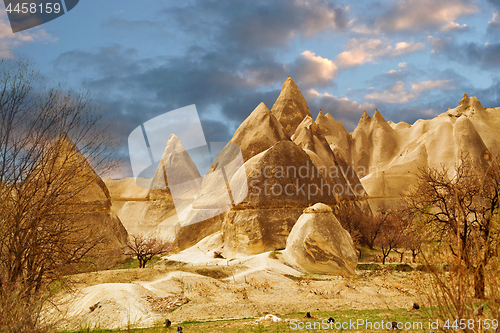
[
  {"x": 278, "y": 163},
  {"x": 388, "y": 156},
  {"x": 254, "y": 192}
]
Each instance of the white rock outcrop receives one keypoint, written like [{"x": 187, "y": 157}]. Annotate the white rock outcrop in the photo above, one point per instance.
[{"x": 318, "y": 244}]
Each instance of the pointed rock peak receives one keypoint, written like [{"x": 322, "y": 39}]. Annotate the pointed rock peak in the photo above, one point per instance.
[
  {"x": 465, "y": 100},
  {"x": 262, "y": 107},
  {"x": 289, "y": 83},
  {"x": 174, "y": 144},
  {"x": 475, "y": 104},
  {"x": 468, "y": 106},
  {"x": 321, "y": 117},
  {"x": 330, "y": 117},
  {"x": 306, "y": 122},
  {"x": 290, "y": 107},
  {"x": 63, "y": 141},
  {"x": 378, "y": 116},
  {"x": 173, "y": 138},
  {"x": 260, "y": 131},
  {"x": 365, "y": 118}
]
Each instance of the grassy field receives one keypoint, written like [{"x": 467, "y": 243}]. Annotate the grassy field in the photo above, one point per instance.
[{"x": 297, "y": 322}]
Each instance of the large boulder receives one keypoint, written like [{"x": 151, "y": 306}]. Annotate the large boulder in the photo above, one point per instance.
[{"x": 319, "y": 244}]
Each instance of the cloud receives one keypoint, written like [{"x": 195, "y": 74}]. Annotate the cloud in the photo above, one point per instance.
[
  {"x": 421, "y": 15},
  {"x": 363, "y": 50},
  {"x": 453, "y": 26},
  {"x": 10, "y": 41},
  {"x": 310, "y": 69},
  {"x": 483, "y": 55},
  {"x": 495, "y": 3},
  {"x": 260, "y": 24},
  {"x": 418, "y": 87},
  {"x": 341, "y": 108},
  {"x": 112, "y": 61},
  {"x": 398, "y": 93},
  {"x": 494, "y": 27},
  {"x": 495, "y": 19}
]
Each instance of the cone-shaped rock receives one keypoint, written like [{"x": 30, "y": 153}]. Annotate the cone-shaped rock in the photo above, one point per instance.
[
  {"x": 364, "y": 122},
  {"x": 383, "y": 138},
  {"x": 282, "y": 181},
  {"x": 309, "y": 137},
  {"x": 81, "y": 195},
  {"x": 318, "y": 244},
  {"x": 290, "y": 108},
  {"x": 334, "y": 131},
  {"x": 64, "y": 161},
  {"x": 469, "y": 143},
  {"x": 260, "y": 131},
  {"x": 176, "y": 167}
]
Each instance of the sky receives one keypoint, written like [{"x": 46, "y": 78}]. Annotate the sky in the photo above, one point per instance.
[{"x": 409, "y": 59}]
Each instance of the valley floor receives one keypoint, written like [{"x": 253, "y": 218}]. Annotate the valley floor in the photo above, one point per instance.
[{"x": 196, "y": 287}]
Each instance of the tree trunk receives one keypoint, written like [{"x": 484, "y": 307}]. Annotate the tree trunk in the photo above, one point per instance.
[{"x": 479, "y": 282}]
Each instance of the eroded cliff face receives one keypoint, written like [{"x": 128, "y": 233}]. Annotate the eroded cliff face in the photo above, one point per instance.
[
  {"x": 388, "y": 156},
  {"x": 286, "y": 164}
]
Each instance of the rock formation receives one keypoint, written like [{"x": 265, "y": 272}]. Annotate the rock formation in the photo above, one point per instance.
[
  {"x": 388, "y": 156},
  {"x": 260, "y": 131},
  {"x": 277, "y": 164},
  {"x": 81, "y": 198},
  {"x": 290, "y": 108},
  {"x": 282, "y": 181},
  {"x": 143, "y": 204},
  {"x": 319, "y": 244}
]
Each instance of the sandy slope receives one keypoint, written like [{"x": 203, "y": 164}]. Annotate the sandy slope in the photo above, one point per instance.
[{"x": 250, "y": 287}]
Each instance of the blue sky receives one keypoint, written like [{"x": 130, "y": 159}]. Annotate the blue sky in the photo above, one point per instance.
[{"x": 409, "y": 59}]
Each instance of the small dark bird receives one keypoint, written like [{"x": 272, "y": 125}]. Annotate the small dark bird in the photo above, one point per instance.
[
  {"x": 416, "y": 306},
  {"x": 308, "y": 314},
  {"x": 168, "y": 323},
  {"x": 331, "y": 320},
  {"x": 394, "y": 325},
  {"x": 179, "y": 329}
]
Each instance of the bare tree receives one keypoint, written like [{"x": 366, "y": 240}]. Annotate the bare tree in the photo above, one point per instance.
[
  {"x": 145, "y": 246},
  {"x": 48, "y": 187},
  {"x": 464, "y": 211},
  {"x": 363, "y": 226},
  {"x": 391, "y": 234}
]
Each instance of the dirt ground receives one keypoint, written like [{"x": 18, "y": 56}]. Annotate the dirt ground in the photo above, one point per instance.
[{"x": 209, "y": 289}]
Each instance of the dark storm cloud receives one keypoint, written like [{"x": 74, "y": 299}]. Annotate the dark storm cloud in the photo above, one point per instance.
[
  {"x": 495, "y": 3},
  {"x": 256, "y": 25},
  {"x": 485, "y": 56},
  {"x": 106, "y": 61},
  {"x": 230, "y": 65},
  {"x": 231, "y": 59}
]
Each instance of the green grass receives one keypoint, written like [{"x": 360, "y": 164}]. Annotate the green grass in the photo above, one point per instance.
[
  {"x": 274, "y": 254},
  {"x": 248, "y": 325}
]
